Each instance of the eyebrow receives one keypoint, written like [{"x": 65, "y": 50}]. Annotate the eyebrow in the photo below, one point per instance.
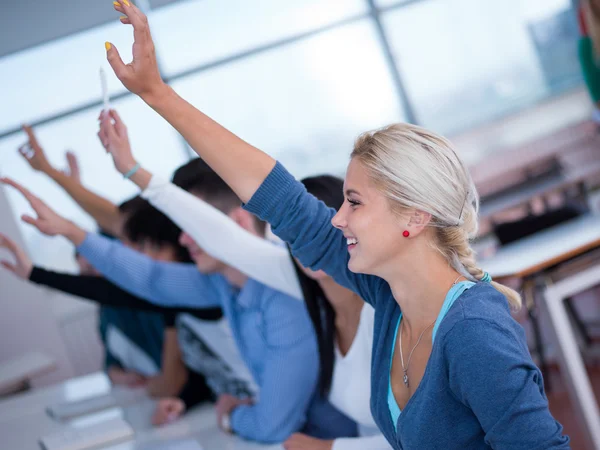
[{"x": 352, "y": 191}]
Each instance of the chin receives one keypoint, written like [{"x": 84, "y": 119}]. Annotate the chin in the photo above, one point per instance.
[
  {"x": 357, "y": 265},
  {"x": 353, "y": 265}
]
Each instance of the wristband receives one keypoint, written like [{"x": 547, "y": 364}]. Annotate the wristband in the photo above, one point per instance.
[{"x": 132, "y": 171}]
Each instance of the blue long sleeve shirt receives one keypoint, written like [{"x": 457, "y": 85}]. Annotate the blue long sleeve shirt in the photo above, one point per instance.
[
  {"x": 480, "y": 389},
  {"x": 273, "y": 333}
]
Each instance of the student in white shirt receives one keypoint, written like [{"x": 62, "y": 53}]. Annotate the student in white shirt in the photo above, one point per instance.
[{"x": 342, "y": 321}]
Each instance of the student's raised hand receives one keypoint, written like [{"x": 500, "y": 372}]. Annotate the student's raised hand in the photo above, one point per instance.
[
  {"x": 47, "y": 221},
  {"x": 140, "y": 76},
  {"x": 22, "y": 266},
  {"x": 72, "y": 170},
  {"x": 168, "y": 410},
  {"x": 299, "y": 441},
  {"x": 113, "y": 136},
  {"x": 33, "y": 153}
]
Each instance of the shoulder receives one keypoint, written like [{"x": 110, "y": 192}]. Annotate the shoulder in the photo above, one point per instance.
[{"x": 481, "y": 316}]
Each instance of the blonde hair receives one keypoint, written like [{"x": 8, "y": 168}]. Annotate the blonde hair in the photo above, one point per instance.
[{"x": 417, "y": 169}]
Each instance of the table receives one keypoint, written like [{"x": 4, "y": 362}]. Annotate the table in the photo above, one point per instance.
[
  {"x": 536, "y": 255},
  {"x": 17, "y": 372},
  {"x": 23, "y": 419}
]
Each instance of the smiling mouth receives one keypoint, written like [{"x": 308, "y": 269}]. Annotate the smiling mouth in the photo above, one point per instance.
[{"x": 352, "y": 242}]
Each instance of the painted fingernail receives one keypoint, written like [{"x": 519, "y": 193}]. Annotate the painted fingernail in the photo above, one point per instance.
[
  {"x": 117, "y": 4},
  {"x": 107, "y": 46},
  {"x": 126, "y": 3},
  {"x": 123, "y": 17}
]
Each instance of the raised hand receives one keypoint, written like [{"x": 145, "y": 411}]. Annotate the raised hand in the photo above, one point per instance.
[
  {"x": 23, "y": 265},
  {"x": 113, "y": 135},
  {"x": 140, "y": 76},
  {"x": 73, "y": 170},
  {"x": 47, "y": 221},
  {"x": 33, "y": 153}
]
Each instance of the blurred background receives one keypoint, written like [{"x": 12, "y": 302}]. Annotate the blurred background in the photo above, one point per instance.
[{"x": 299, "y": 79}]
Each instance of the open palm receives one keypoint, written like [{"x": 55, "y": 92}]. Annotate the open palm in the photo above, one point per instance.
[
  {"x": 47, "y": 221},
  {"x": 141, "y": 76}
]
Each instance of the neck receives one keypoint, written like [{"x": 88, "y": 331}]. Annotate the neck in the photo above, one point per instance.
[
  {"x": 420, "y": 291},
  {"x": 234, "y": 276}
]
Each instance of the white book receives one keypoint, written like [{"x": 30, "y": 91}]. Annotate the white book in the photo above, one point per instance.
[
  {"x": 69, "y": 410},
  {"x": 99, "y": 435}
]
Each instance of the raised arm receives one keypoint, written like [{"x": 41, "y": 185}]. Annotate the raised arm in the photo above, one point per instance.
[
  {"x": 106, "y": 293},
  {"x": 241, "y": 165},
  {"x": 105, "y": 213},
  {"x": 212, "y": 230},
  {"x": 165, "y": 284}
]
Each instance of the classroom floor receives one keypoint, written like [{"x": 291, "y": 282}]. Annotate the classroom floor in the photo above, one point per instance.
[{"x": 560, "y": 405}]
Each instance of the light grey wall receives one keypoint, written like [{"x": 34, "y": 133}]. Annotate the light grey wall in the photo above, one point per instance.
[{"x": 27, "y": 320}]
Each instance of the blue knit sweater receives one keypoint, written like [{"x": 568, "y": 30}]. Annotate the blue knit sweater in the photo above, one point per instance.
[{"x": 480, "y": 389}]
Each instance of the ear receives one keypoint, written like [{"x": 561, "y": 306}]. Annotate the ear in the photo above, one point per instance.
[
  {"x": 243, "y": 218},
  {"x": 417, "y": 222}
]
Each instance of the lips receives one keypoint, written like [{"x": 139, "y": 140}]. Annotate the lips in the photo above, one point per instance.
[{"x": 352, "y": 242}]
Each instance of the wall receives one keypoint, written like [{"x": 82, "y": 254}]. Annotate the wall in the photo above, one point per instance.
[{"x": 30, "y": 316}]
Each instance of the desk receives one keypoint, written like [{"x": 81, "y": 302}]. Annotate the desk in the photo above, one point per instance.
[
  {"x": 22, "y": 430},
  {"x": 536, "y": 255},
  {"x": 18, "y": 372}
]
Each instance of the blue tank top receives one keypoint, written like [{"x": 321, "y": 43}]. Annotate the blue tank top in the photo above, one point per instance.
[{"x": 454, "y": 292}]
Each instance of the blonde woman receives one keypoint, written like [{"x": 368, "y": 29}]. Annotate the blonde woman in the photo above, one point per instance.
[{"x": 450, "y": 366}]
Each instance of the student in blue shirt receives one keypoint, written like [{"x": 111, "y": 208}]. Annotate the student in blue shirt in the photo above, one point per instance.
[
  {"x": 450, "y": 368},
  {"x": 272, "y": 330}
]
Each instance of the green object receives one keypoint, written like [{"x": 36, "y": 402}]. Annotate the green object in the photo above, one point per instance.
[{"x": 589, "y": 66}]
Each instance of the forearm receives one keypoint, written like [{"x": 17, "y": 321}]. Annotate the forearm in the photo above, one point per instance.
[
  {"x": 174, "y": 374},
  {"x": 104, "y": 212},
  {"x": 165, "y": 385},
  {"x": 73, "y": 233},
  {"x": 241, "y": 165},
  {"x": 222, "y": 238}
]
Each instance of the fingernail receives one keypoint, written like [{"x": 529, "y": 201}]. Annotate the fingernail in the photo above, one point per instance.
[
  {"x": 123, "y": 17},
  {"x": 107, "y": 46},
  {"x": 126, "y": 3},
  {"x": 117, "y": 4}
]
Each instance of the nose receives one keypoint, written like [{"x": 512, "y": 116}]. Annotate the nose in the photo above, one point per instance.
[{"x": 339, "y": 220}]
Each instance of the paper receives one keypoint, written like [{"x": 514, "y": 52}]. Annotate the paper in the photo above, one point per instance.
[{"x": 106, "y": 104}]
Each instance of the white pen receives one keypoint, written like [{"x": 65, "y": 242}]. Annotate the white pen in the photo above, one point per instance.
[{"x": 104, "y": 90}]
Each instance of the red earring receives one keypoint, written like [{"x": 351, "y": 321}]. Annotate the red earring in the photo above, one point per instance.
[{"x": 406, "y": 233}]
